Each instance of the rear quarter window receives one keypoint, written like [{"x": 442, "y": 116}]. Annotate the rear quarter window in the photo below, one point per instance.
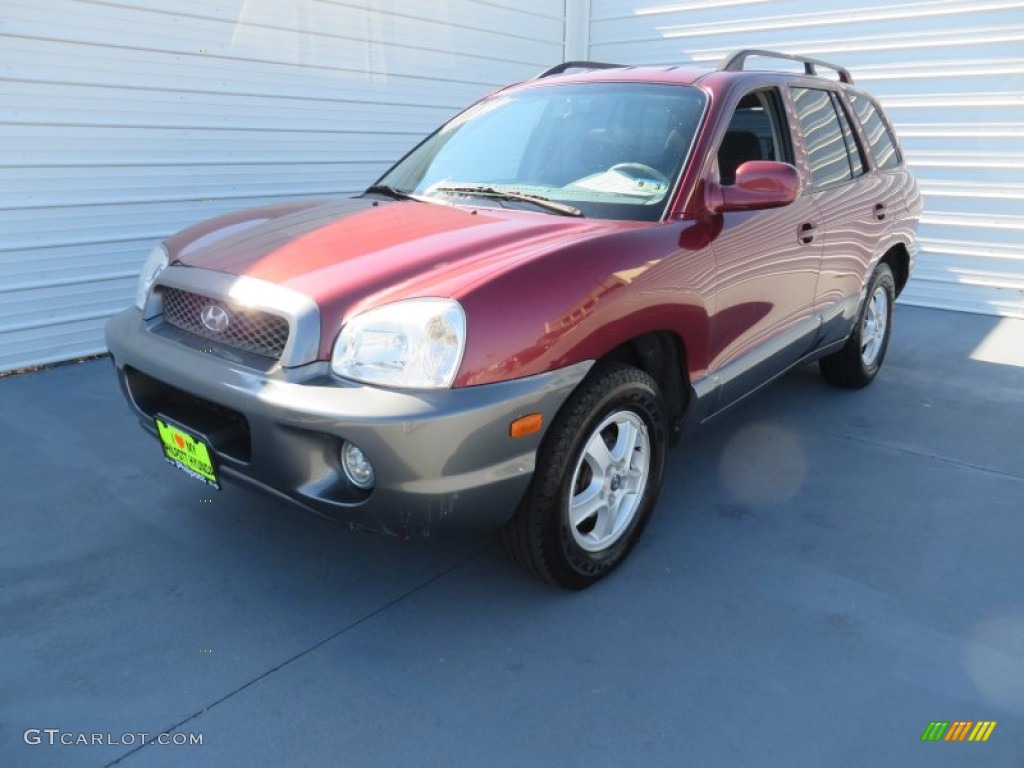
[{"x": 881, "y": 141}]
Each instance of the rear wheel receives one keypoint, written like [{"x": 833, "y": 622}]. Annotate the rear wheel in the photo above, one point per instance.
[
  {"x": 859, "y": 361},
  {"x": 597, "y": 479}
]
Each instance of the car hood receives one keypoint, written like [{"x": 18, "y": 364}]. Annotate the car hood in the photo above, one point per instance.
[{"x": 350, "y": 255}]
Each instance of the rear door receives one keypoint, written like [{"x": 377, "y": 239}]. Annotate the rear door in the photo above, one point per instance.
[{"x": 851, "y": 203}]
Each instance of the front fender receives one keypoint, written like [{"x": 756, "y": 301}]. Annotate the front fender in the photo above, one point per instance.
[{"x": 580, "y": 303}]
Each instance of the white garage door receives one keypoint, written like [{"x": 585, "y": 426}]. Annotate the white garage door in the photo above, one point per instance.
[
  {"x": 124, "y": 121},
  {"x": 949, "y": 72}
]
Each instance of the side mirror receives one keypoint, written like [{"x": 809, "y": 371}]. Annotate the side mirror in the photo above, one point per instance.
[{"x": 759, "y": 184}]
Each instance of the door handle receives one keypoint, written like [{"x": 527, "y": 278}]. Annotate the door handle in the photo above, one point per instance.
[
  {"x": 807, "y": 233},
  {"x": 879, "y": 211}
]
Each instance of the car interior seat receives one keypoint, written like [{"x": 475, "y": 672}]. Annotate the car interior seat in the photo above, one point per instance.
[{"x": 738, "y": 147}]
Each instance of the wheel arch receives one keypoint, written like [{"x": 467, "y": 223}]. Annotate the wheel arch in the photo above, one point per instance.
[
  {"x": 898, "y": 259},
  {"x": 662, "y": 355}
]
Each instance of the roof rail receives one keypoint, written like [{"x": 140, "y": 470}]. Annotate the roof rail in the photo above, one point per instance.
[
  {"x": 734, "y": 63},
  {"x": 559, "y": 69}
]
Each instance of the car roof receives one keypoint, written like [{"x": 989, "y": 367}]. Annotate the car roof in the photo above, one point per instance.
[
  {"x": 671, "y": 73},
  {"x": 727, "y": 71},
  {"x": 716, "y": 81}
]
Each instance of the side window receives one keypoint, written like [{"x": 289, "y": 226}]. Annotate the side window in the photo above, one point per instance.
[
  {"x": 755, "y": 132},
  {"x": 883, "y": 147},
  {"x": 827, "y": 152},
  {"x": 852, "y": 147}
]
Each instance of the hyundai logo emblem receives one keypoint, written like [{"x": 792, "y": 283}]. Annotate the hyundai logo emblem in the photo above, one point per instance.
[{"x": 215, "y": 318}]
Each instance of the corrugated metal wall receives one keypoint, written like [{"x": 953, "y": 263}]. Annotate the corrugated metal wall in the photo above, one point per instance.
[
  {"x": 124, "y": 121},
  {"x": 950, "y": 74}
]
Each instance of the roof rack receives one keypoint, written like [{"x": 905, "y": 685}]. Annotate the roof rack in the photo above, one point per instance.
[
  {"x": 559, "y": 69},
  {"x": 734, "y": 63}
]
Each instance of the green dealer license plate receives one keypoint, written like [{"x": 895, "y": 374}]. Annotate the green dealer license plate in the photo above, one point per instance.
[{"x": 188, "y": 452}]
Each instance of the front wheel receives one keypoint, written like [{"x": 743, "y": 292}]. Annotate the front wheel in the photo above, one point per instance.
[
  {"x": 597, "y": 479},
  {"x": 859, "y": 361}
]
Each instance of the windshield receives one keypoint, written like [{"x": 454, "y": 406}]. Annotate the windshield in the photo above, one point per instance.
[{"x": 608, "y": 150}]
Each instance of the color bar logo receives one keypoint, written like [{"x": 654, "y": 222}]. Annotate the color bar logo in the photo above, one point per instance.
[{"x": 958, "y": 730}]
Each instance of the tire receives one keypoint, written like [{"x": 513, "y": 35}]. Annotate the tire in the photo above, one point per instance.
[
  {"x": 859, "y": 361},
  {"x": 597, "y": 479}
]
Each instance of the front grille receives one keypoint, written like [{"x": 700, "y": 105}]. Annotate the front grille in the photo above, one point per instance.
[{"x": 250, "y": 329}]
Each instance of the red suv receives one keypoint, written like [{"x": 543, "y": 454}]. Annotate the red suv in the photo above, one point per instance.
[{"x": 513, "y": 324}]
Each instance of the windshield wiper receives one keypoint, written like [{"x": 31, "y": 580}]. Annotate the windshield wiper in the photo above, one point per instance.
[
  {"x": 387, "y": 189},
  {"x": 501, "y": 194},
  {"x": 400, "y": 194}
]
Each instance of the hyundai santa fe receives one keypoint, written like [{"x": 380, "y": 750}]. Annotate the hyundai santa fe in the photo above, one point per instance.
[{"x": 512, "y": 325}]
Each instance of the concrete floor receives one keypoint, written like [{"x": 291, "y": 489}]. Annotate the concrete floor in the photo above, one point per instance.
[{"x": 826, "y": 572}]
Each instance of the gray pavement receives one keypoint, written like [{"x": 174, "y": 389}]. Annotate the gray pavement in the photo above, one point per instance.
[{"x": 826, "y": 572}]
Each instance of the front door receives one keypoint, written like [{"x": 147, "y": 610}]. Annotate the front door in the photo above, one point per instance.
[{"x": 767, "y": 261}]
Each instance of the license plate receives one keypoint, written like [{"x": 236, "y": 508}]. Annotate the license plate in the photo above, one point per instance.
[{"x": 188, "y": 452}]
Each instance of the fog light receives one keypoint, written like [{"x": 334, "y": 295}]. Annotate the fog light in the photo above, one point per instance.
[{"x": 358, "y": 468}]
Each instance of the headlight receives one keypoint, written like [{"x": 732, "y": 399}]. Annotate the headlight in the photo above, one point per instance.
[
  {"x": 414, "y": 343},
  {"x": 156, "y": 263}
]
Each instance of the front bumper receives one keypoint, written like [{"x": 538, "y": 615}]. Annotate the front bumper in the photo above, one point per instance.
[{"x": 443, "y": 458}]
